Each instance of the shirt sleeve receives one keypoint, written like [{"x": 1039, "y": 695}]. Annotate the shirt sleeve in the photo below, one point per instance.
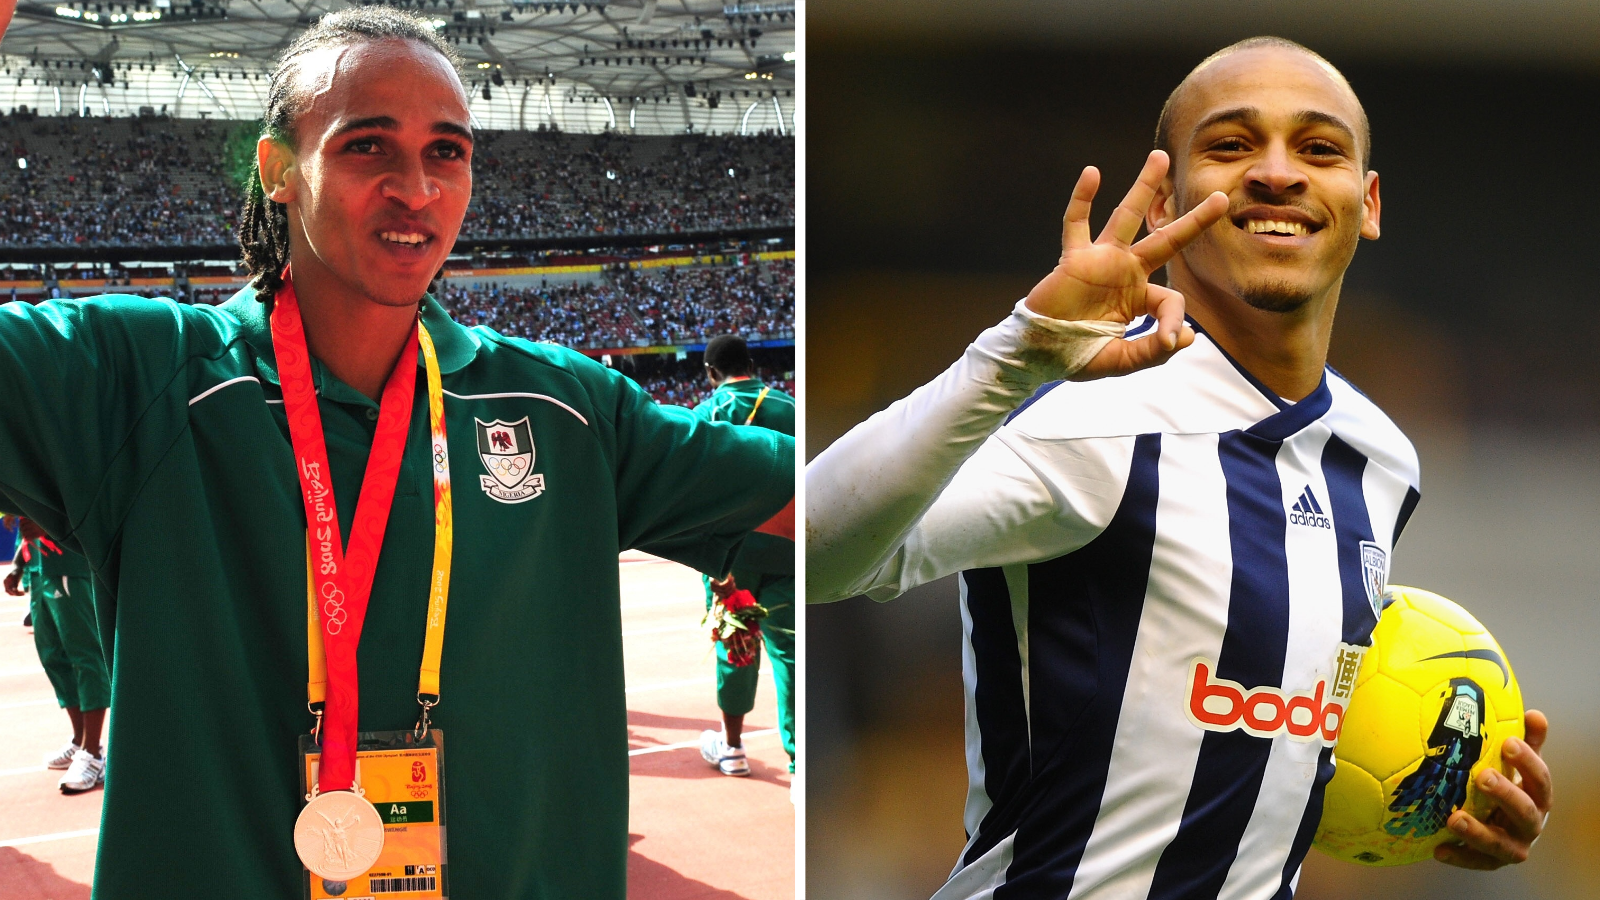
[
  {"x": 877, "y": 520},
  {"x": 78, "y": 379},
  {"x": 690, "y": 490}
]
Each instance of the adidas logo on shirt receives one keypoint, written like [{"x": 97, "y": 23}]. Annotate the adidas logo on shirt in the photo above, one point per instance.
[{"x": 1307, "y": 511}]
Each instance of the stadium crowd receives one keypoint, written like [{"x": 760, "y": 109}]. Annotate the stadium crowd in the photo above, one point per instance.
[
  {"x": 77, "y": 182},
  {"x": 539, "y": 184},
  {"x": 683, "y": 382},
  {"x": 630, "y": 307},
  {"x": 157, "y": 181}
]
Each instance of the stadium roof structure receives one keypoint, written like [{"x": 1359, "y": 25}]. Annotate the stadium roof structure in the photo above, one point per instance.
[{"x": 646, "y": 66}]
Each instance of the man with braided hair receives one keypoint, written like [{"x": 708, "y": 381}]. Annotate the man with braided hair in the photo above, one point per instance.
[{"x": 184, "y": 451}]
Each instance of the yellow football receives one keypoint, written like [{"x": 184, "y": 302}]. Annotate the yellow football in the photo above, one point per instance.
[{"x": 1434, "y": 701}]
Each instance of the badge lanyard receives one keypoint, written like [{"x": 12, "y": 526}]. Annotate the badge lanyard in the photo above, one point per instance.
[
  {"x": 339, "y": 581},
  {"x": 757, "y": 405}
]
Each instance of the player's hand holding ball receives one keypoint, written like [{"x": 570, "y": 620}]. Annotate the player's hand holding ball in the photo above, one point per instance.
[
  {"x": 1108, "y": 278},
  {"x": 1432, "y": 759},
  {"x": 1521, "y": 803}
]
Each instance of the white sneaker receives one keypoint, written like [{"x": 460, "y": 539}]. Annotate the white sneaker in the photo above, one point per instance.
[
  {"x": 86, "y": 773},
  {"x": 62, "y": 757},
  {"x": 727, "y": 760}
]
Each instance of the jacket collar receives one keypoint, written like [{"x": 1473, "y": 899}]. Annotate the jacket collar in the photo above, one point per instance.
[
  {"x": 455, "y": 345},
  {"x": 751, "y": 385}
]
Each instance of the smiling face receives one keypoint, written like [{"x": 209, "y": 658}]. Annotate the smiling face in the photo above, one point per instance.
[
  {"x": 1281, "y": 133},
  {"x": 378, "y": 181}
]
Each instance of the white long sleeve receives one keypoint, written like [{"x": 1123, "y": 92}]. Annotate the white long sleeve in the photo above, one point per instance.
[{"x": 867, "y": 492}]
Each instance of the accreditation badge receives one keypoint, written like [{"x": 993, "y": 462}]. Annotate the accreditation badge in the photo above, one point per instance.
[{"x": 402, "y": 778}]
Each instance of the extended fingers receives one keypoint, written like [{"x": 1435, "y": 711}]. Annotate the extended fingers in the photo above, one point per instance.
[
  {"x": 1164, "y": 243},
  {"x": 1519, "y": 819},
  {"x": 1521, "y": 815},
  {"x": 1123, "y": 226},
  {"x": 1537, "y": 727},
  {"x": 1075, "y": 224},
  {"x": 1535, "y": 787},
  {"x": 1490, "y": 840}
]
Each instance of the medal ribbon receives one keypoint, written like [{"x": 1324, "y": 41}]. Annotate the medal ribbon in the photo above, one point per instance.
[
  {"x": 443, "y": 541},
  {"x": 339, "y": 579}
]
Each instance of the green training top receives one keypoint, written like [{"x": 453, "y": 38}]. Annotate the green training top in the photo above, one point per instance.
[
  {"x": 732, "y": 402},
  {"x": 151, "y": 436}
]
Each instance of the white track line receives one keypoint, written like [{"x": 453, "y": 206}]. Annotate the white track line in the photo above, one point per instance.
[
  {"x": 685, "y": 745},
  {"x": 45, "y": 838},
  {"x": 659, "y": 686},
  {"x": 639, "y": 632},
  {"x": 23, "y": 771},
  {"x": 48, "y": 701},
  {"x": 25, "y": 670},
  {"x": 652, "y": 604}
]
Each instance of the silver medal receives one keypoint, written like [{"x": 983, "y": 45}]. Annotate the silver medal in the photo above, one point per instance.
[{"x": 338, "y": 835}]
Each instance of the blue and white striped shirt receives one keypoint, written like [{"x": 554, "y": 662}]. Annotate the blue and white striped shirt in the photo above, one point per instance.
[{"x": 1167, "y": 581}]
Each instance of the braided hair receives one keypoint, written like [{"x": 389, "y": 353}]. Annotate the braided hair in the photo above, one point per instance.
[{"x": 264, "y": 224}]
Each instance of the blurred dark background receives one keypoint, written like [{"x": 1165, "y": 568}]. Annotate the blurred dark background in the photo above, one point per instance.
[{"x": 943, "y": 141}]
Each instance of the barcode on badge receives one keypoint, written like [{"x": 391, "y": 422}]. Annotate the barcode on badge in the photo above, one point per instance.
[{"x": 403, "y": 884}]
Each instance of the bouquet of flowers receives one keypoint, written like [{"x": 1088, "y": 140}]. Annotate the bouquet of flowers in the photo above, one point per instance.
[{"x": 735, "y": 620}]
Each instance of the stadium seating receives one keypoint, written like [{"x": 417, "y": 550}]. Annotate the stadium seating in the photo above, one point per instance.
[
  {"x": 639, "y": 308},
  {"x": 148, "y": 182},
  {"x": 118, "y": 182},
  {"x": 683, "y": 383}
]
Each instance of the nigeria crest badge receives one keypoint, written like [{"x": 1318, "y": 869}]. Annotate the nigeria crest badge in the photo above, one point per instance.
[
  {"x": 506, "y": 449},
  {"x": 1374, "y": 575}
]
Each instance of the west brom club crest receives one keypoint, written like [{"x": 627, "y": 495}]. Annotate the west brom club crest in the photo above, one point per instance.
[
  {"x": 506, "y": 449},
  {"x": 1375, "y": 575}
]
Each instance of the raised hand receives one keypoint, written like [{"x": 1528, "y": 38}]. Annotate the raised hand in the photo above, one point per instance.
[
  {"x": 1108, "y": 278},
  {"x": 1521, "y": 804}
]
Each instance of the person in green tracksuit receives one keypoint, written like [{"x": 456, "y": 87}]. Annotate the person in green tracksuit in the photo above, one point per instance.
[
  {"x": 58, "y": 583},
  {"x": 765, "y": 565},
  {"x": 153, "y": 438}
]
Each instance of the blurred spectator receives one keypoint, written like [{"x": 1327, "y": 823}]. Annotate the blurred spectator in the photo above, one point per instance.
[
  {"x": 120, "y": 182},
  {"x": 527, "y": 184},
  {"x": 638, "y": 308},
  {"x": 683, "y": 382}
]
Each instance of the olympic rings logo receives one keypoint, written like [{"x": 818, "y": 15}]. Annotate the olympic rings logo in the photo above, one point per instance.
[
  {"x": 333, "y": 608},
  {"x": 510, "y": 467},
  {"x": 439, "y": 457}
]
